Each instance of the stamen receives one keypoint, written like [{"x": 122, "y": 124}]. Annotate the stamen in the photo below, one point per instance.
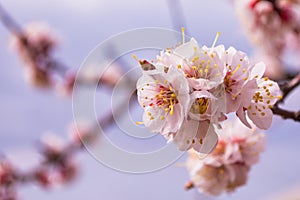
[
  {"x": 236, "y": 69},
  {"x": 139, "y": 123},
  {"x": 135, "y": 57},
  {"x": 172, "y": 109},
  {"x": 183, "y": 35},
  {"x": 215, "y": 41}
]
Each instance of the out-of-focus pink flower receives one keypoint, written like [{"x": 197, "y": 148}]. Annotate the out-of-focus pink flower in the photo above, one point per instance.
[
  {"x": 42, "y": 177},
  {"x": 34, "y": 46},
  {"x": 53, "y": 147},
  {"x": 227, "y": 167},
  {"x": 7, "y": 175},
  {"x": 273, "y": 27},
  {"x": 95, "y": 73},
  {"x": 56, "y": 175},
  {"x": 8, "y": 193},
  {"x": 273, "y": 65},
  {"x": 111, "y": 75},
  {"x": 81, "y": 133},
  {"x": 37, "y": 77},
  {"x": 38, "y": 38},
  {"x": 65, "y": 88}
]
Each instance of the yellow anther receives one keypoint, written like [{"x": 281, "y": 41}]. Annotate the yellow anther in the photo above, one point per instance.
[
  {"x": 151, "y": 118},
  {"x": 171, "y": 109},
  {"x": 139, "y": 123},
  {"x": 195, "y": 58},
  {"x": 135, "y": 57},
  {"x": 236, "y": 69},
  {"x": 183, "y": 35},
  {"x": 179, "y": 66},
  {"x": 162, "y": 117}
]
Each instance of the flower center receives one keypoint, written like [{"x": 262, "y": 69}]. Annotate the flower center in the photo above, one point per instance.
[
  {"x": 200, "y": 106},
  {"x": 228, "y": 82},
  {"x": 166, "y": 98}
]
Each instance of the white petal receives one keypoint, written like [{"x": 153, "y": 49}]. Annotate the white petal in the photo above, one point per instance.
[
  {"x": 263, "y": 119},
  {"x": 187, "y": 50},
  {"x": 258, "y": 70},
  {"x": 242, "y": 116}
]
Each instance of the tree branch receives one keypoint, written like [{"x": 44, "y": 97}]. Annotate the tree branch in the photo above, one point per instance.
[{"x": 287, "y": 87}]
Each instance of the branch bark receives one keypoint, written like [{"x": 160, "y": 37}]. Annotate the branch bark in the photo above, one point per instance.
[{"x": 287, "y": 87}]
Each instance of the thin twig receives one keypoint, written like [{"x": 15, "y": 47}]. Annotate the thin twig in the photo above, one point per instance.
[
  {"x": 285, "y": 114},
  {"x": 287, "y": 87}
]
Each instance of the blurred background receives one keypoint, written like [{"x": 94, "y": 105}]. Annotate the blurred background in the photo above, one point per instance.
[{"x": 26, "y": 113}]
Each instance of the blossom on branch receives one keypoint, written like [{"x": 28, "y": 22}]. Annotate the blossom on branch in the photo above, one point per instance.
[
  {"x": 35, "y": 46},
  {"x": 187, "y": 92},
  {"x": 227, "y": 167}
]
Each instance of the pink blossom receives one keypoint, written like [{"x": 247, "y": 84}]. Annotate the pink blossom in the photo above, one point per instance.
[
  {"x": 201, "y": 66},
  {"x": 272, "y": 26},
  {"x": 265, "y": 96},
  {"x": 199, "y": 135},
  {"x": 7, "y": 174},
  {"x": 53, "y": 147},
  {"x": 38, "y": 37},
  {"x": 37, "y": 77},
  {"x": 34, "y": 46},
  {"x": 81, "y": 133},
  {"x": 165, "y": 98},
  {"x": 227, "y": 167},
  {"x": 237, "y": 85}
]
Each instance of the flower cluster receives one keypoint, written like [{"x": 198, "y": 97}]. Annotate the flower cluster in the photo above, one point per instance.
[
  {"x": 188, "y": 91},
  {"x": 57, "y": 166},
  {"x": 227, "y": 167},
  {"x": 35, "y": 46},
  {"x": 275, "y": 24}
]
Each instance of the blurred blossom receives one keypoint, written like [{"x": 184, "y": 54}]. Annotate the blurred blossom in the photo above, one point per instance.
[
  {"x": 111, "y": 75},
  {"x": 54, "y": 148},
  {"x": 65, "y": 173},
  {"x": 7, "y": 181},
  {"x": 65, "y": 87},
  {"x": 8, "y": 194},
  {"x": 273, "y": 64},
  {"x": 227, "y": 167},
  {"x": 37, "y": 77},
  {"x": 82, "y": 132},
  {"x": 7, "y": 175},
  {"x": 273, "y": 26},
  {"x": 107, "y": 74},
  {"x": 35, "y": 46},
  {"x": 56, "y": 175}
]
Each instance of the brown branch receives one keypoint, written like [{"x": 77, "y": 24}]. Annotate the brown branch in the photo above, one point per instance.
[
  {"x": 287, "y": 87},
  {"x": 285, "y": 114}
]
